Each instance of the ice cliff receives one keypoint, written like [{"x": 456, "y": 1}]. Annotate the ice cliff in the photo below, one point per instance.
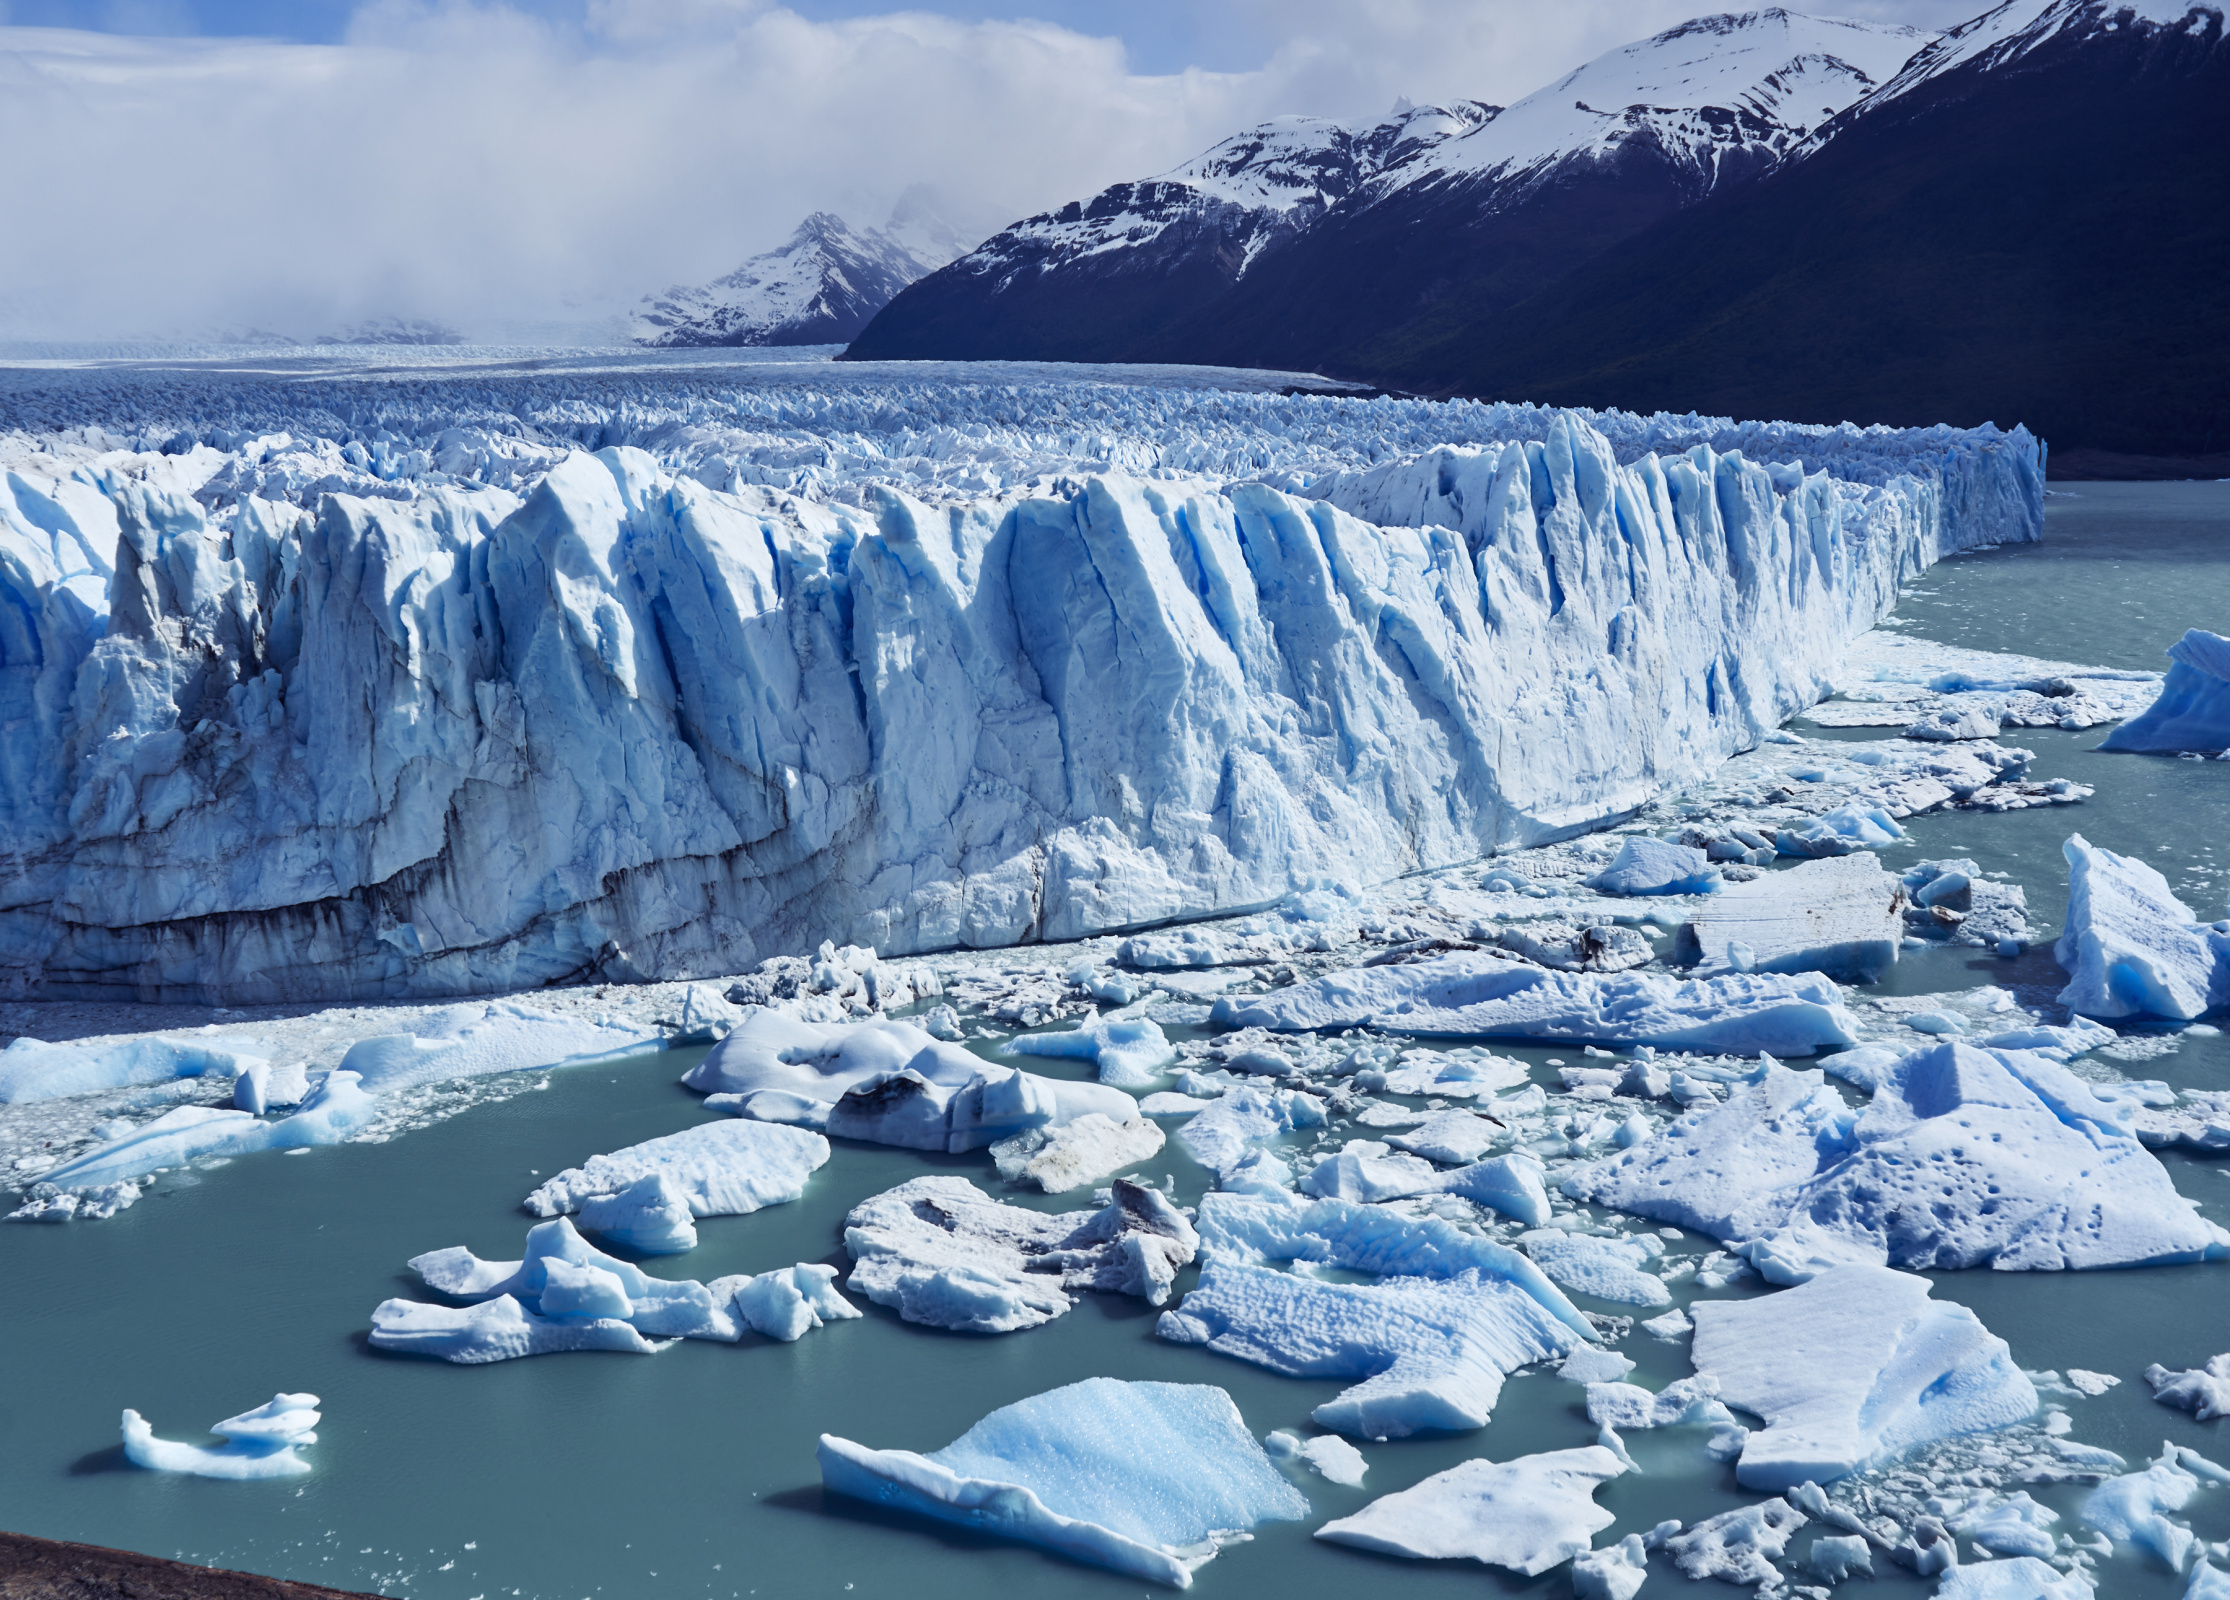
[{"x": 631, "y": 725}]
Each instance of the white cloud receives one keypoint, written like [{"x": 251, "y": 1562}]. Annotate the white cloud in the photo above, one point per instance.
[{"x": 465, "y": 161}]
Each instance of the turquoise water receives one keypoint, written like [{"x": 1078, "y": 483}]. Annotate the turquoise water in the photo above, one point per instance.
[{"x": 691, "y": 1473}]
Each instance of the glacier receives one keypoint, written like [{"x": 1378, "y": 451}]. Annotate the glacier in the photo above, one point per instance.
[{"x": 395, "y": 727}]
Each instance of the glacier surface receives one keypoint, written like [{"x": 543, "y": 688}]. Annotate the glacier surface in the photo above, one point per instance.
[{"x": 451, "y": 714}]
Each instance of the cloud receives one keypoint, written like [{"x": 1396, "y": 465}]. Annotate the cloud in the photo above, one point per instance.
[{"x": 497, "y": 169}]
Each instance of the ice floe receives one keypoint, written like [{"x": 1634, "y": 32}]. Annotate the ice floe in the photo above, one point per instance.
[
  {"x": 1131, "y": 1052},
  {"x": 1528, "y": 1514},
  {"x": 1148, "y": 1479},
  {"x": 1608, "y": 1269},
  {"x": 1367, "y": 1170},
  {"x": 1964, "y": 1157},
  {"x": 257, "y": 1444},
  {"x": 1220, "y": 1136},
  {"x": 721, "y": 1169},
  {"x": 565, "y": 1294},
  {"x": 1856, "y": 1367},
  {"x": 1071, "y": 1154},
  {"x": 2204, "y": 1391},
  {"x": 1451, "y": 1314},
  {"x": 2133, "y": 1508},
  {"x": 2132, "y": 948},
  {"x": 1481, "y": 996},
  {"x": 940, "y": 1251},
  {"x": 2193, "y": 711},
  {"x": 1841, "y": 915}
]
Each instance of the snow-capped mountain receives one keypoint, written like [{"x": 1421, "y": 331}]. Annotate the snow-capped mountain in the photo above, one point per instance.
[
  {"x": 2024, "y": 223},
  {"x": 821, "y": 287},
  {"x": 1293, "y": 243},
  {"x": 1096, "y": 276}
]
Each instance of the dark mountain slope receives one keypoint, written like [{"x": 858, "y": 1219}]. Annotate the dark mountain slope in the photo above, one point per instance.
[{"x": 2037, "y": 236}]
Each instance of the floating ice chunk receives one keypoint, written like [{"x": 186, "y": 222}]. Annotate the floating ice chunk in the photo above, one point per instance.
[
  {"x": 1626, "y": 1407},
  {"x": 2208, "y": 1582},
  {"x": 1842, "y": 916},
  {"x": 1218, "y": 1138},
  {"x": 473, "y": 1041},
  {"x": 2131, "y": 947},
  {"x": 1954, "y": 723},
  {"x": 1608, "y": 1269},
  {"x": 1452, "y": 1138},
  {"x": 2193, "y": 711},
  {"x": 651, "y": 1216},
  {"x": 1479, "y": 996},
  {"x": 1615, "y": 1572},
  {"x": 790, "y": 1302},
  {"x": 940, "y": 1251},
  {"x": 31, "y": 1069},
  {"x": 2133, "y": 1509},
  {"x": 1144, "y": 1478},
  {"x": 1670, "y": 1328},
  {"x": 258, "y": 1444},
  {"x": 1184, "y": 947},
  {"x": 1965, "y": 1157},
  {"x": 1591, "y": 1364},
  {"x": 2011, "y": 1525},
  {"x": 722, "y": 1169},
  {"x": 1855, "y": 1368},
  {"x": 333, "y": 1111},
  {"x": 885, "y": 1081},
  {"x": 260, "y": 1086},
  {"x": 1848, "y": 828},
  {"x": 2203, "y": 1391},
  {"x": 1327, "y": 1454},
  {"x": 1528, "y": 1514},
  {"x": 1072, "y": 1154},
  {"x": 1836, "y": 1556},
  {"x": 1131, "y": 1051},
  {"x": 1737, "y": 1546},
  {"x": 2064, "y": 1041},
  {"x": 1165, "y": 1103},
  {"x": 2022, "y": 1578},
  {"x": 1364, "y": 1170},
  {"x": 1456, "y": 1075},
  {"x": 1433, "y": 1340},
  {"x": 1653, "y": 866},
  {"x": 2091, "y": 1383},
  {"x": 500, "y": 1329}
]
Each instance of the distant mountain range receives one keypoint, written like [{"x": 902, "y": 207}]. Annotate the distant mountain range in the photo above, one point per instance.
[
  {"x": 822, "y": 287},
  {"x": 1767, "y": 214}
]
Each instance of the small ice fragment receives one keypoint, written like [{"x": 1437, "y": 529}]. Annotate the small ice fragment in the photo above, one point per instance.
[
  {"x": 1615, "y": 1572},
  {"x": 1836, "y": 1556},
  {"x": 1737, "y": 1546},
  {"x": 1592, "y": 1364},
  {"x": 2204, "y": 1391},
  {"x": 1672, "y": 1327}
]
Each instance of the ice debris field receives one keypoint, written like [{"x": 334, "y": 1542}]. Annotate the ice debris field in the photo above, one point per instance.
[{"x": 1175, "y": 818}]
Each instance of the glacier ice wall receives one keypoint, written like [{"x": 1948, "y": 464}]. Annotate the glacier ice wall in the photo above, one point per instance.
[{"x": 630, "y": 724}]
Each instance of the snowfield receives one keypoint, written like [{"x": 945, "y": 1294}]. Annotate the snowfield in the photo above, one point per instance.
[{"x": 614, "y": 697}]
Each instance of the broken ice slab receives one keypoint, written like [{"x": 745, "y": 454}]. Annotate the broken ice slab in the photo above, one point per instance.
[
  {"x": 1451, "y": 1316},
  {"x": 2193, "y": 711},
  {"x": 1527, "y": 1515},
  {"x": 1842, "y": 916},
  {"x": 940, "y": 1251},
  {"x": 723, "y": 1169},
  {"x": 1964, "y": 1157},
  {"x": 1469, "y": 995},
  {"x": 887, "y": 1083},
  {"x": 1072, "y": 1154},
  {"x": 2131, "y": 948},
  {"x": 1857, "y": 1367},
  {"x": 257, "y": 1444},
  {"x": 1149, "y": 1479}
]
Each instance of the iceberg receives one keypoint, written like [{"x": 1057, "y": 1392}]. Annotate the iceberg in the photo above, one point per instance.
[
  {"x": 1365, "y": 1170},
  {"x": 471, "y": 710},
  {"x": 940, "y": 1251},
  {"x": 885, "y": 1082},
  {"x": 33, "y": 1070},
  {"x": 2193, "y": 711},
  {"x": 2204, "y": 1391},
  {"x": 1219, "y": 1136},
  {"x": 1654, "y": 866},
  {"x": 2131, "y": 947},
  {"x": 1451, "y": 1316},
  {"x": 1965, "y": 1157},
  {"x": 1131, "y": 1052},
  {"x": 1855, "y": 1368},
  {"x": 721, "y": 1169},
  {"x": 1529, "y": 1514},
  {"x": 1841, "y": 915},
  {"x": 1149, "y": 1479},
  {"x": 565, "y": 1294},
  {"x": 257, "y": 1444},
  {"x": 1480, "y": 996},
  {"x": 1072, "y": 1154},
  {"x": 333, "y": 1111}
]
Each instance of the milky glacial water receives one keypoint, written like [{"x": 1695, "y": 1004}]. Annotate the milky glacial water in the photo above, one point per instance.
[{"x": 691, "y": 1473}]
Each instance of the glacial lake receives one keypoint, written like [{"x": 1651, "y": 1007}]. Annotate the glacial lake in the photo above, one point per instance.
[{"x": 691, "y": 1473}]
